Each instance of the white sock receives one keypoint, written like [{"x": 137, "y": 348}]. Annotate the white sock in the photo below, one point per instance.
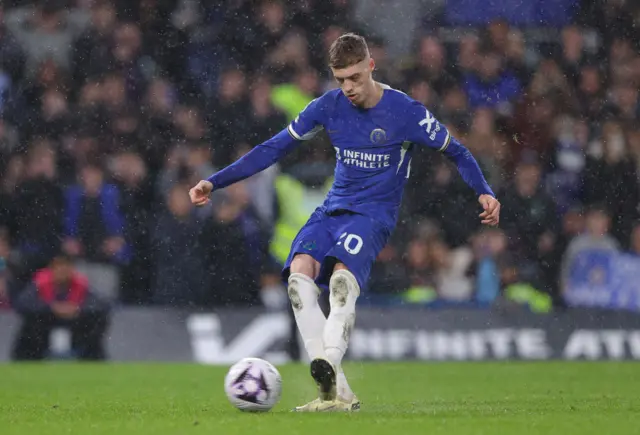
[
  {"x": 310, "y": 319},
  {"x": 344, "y": 293}
]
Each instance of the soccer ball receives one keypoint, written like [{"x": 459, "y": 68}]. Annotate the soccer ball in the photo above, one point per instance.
[{"x": 253, "y": 384}]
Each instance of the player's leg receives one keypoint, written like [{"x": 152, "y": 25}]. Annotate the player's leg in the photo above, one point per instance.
[
  {"x": 360, "y": 239},
  {"x": 311, "y": 322},
  {"x": 344, "y": 291},
  {"x": 301, "y": 270},
  {"x": 303, "y": 294}
]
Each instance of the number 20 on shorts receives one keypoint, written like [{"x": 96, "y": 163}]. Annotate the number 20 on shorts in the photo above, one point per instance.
[{"x": 349, "y": 241}]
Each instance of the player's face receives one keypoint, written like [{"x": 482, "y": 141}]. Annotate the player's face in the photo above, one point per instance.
[{"x": 355, "y": 80}]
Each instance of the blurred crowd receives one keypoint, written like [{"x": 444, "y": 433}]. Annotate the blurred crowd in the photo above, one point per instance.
[{"x": 111, "y": 109}]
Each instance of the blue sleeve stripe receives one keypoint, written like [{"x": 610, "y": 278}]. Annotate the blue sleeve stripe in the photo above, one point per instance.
[
  {"x": 447, "y": 141},
  {"x": 293, "y": 133},
  {"x": 306, "y": 136}
]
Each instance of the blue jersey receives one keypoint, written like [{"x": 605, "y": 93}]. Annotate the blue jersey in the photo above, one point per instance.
[{"x": 373, "y": 149}]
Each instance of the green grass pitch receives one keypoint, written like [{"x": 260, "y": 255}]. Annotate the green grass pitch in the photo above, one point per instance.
[{"x": 397, "y": 398}]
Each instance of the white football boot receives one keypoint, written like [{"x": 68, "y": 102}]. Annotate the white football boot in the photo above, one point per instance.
[
  {"x": 323, "y": 372},
  {"x": 338, "y": 405}
]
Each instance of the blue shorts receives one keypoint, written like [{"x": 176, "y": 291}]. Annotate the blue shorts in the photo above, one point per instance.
[{"x": 346, "y": 237}]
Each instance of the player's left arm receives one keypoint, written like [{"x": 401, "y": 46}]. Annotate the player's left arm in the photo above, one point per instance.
[
  {"x": 424, "y": 129},
  {"x": 306, "y": 125}
]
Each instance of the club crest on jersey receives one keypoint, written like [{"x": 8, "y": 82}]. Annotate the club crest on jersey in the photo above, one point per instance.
[{"x": 378, "y": 136}]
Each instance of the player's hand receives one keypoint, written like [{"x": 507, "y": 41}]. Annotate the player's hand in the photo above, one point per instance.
[
  {"x": 199, "y": 194},
  {"x": 491, "y": 213}
]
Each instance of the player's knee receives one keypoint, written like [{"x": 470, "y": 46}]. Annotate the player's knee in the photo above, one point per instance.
[
  {"x": 306, "y": 265},
  {"x": 343, "y": 288},
  {"x": 302, "y": 291}
]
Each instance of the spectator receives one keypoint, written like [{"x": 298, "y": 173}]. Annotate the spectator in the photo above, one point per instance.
[
  {"x": 127, "y": 58},
  {"x": 421, "y": 90},
  {"x": 563, "y": 181},
  {"x": 549, "y": 79},
  {"x": 488, "y": 146},
  {"x": 90, "y": 54},
  {"x": 591, "y": 91},
  {"x": 451, "y": 270},
  {"x": 388, "y": 274},
  {"x": 468, "y": 53},
  {"x": 93, "y": 221},
  {"x": 266, "y": 119},
  {"x": 11, "y": 69},
  {"x": 497, "y": 35},
  {"x": 227, "y": 114},
  {"x": 573, "y": 225},
  {"x": 518, "y": 57},
  {"x": 289, "y": 56},
  {"x": 178, "y": 273},
  {"x": 489, "y": 247},
  {"x": 610, "y": 177},
  {"x": 8, "y": 141},
  {"x": 36, "y": 211},
  {"x": 491, "y": 85},
  {"x": 422, "y": 282},
  {"x": 454, "y": 109},
  {"x": 157, "y": 130},
  {"x": 12, "y": 57},
  {"x": 13, "y": 172},
  {"x": 115, "y": 95},
  {"x": 46, "y": 31},
  {"x": 133, "y": 180},
  {"x": 94, "y": 229},
  {"x": 532, "y": 122},
  {"x": 626, "y": 101},
  {"x": 573, "y": 55},
  {"x": 54, "y": 118},
  {"x": 291, "y": 98},
  {"x": 441, "y": 193},
  {"x": 124, "y": 126},
  {"x": 164, "y": 42},
  {"x": 431, "y": 64},
  {"x": 595, "y": 237},
  {"x": 634, "y": 245},
  {"x": 234, "y": 249},
  {"x": 190, "y": 123},
  {"x": 60, "y": 296},
  {"x": 529, "y": 217},
  {"x": 632, "y": 135}
]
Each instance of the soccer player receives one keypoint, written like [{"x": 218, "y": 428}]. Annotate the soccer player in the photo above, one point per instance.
[{"x": 374, "y": 130}]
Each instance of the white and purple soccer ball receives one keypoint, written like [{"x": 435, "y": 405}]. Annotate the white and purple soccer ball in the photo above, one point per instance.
[{"x": 253, "y": 384}]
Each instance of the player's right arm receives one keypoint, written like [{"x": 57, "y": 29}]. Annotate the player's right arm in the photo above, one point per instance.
[{"x": 306, "y": 125}]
